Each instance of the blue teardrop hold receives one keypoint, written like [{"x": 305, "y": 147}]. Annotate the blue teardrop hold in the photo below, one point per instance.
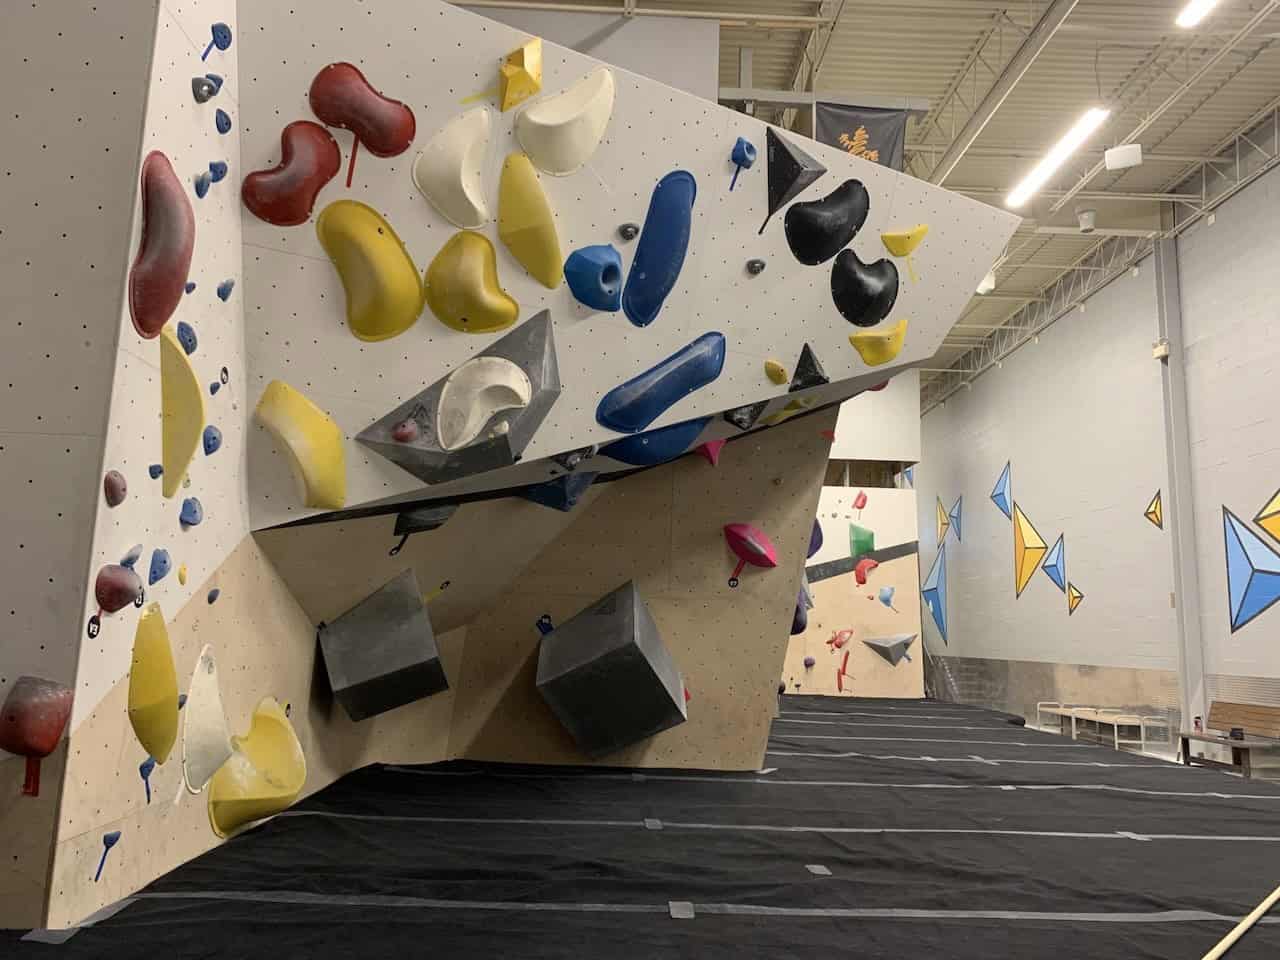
[
  {"x": 191, "y": 514},
  {"x": 130, "y": 558},
  {"x": 190, "y": 287},
  {"x": 155, "y": 470},
  {"x": 160, "y": 566},
  {"x": 217, "y": 170},
  {"x": 214, "y": 594},
  {"x": 222, "y": 121},
  {"x": 212, "y": 438},
  {"x": 216, "y": 80},
  {"x": 202, "y": 183},
  {"x": 187, "y": 337},
  {"x": 214, "y": 387},
  {"x": 224, "y": 290}
]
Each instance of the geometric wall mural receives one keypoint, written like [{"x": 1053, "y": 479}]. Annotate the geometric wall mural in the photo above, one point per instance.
[
  {"x": 1253, "y": 571},
  {"x": 1030, "y": 551},
  {"x": 1268, "y": 517},
  {"x": 1155, "y": 511}
]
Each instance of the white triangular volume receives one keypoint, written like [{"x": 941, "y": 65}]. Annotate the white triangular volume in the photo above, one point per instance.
[
  {"x": 560, "y": 133},
  {"x": 206, "y": 742},
  {"x": 450, "y": 169},
  {"x": 475, "y": 392}
]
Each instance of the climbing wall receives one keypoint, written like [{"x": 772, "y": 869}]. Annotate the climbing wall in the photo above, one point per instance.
[
  {"x": 865, "y": 583},
  {"x": 296, "y": 299}
]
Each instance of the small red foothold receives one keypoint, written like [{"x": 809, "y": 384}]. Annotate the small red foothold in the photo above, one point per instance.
[
  {"x": 878, "y": 387},
  {"x": 864, "y": 566},
  {"x": 860, "y": 500},
  {"x": 687, "y": 698},
  {"x": 829, "y": 434},
  {"x": 711, "y": 450}
]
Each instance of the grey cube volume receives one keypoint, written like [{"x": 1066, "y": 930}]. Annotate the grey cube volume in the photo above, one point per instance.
[
  {"x": 607, "y": 676},
  {"x": 382, "y": 654}
]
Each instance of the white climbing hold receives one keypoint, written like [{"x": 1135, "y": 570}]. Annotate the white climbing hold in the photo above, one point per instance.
[
  {"x": 449, "y": 170},
  {"x": 561, "y": 132},
  {"x": 474, "y": 393}
]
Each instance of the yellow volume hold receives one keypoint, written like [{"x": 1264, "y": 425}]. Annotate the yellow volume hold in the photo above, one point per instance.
[
  {"x": 881, "y": 345},
  {"x": 264, "y": 775},
  {"x": 384, "y": 291},
  {"x": 525, "y": 222},
  {"x": 520, "y": 75},
  {"x": 181, "y": 412},
  {"x": 153, "y": 686},
  {"x": 312, "y": 441},
  {"x": 462, "y": 286}
]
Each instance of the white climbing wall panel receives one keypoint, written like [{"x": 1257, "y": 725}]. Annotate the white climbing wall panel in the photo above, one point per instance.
[
  {"x": 185, "y": 132},
  {"x": 434, "y": 57}
]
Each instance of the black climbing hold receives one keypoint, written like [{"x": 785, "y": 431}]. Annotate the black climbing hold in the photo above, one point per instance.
[
  {"x": 572, "y": 458},
  {"x": 755, "y": 266},
  {"x": 809, "y": 372},
  {"x": 202, "y": 89},
  {"x": 819, "y": 229},
  {"x": 629, "y": 231},
  {"x": 790, "y": 171},
  {"x": 863, "y": 293},
  {"x": 745, "y": 417}
]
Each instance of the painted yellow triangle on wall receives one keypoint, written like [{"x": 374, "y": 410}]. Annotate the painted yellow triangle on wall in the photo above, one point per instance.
[
  {"x": 1028, "y": 549},
  {"x": 1268, "y": 517},
  {"x": 944, "y": 523},
  {"x": 1155, "y": 511}
]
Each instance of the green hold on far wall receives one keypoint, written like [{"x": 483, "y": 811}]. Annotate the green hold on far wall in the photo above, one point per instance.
[{"x": 861, "y": 540}]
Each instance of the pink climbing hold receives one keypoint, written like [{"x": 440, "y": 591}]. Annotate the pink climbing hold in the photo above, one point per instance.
[
  {"x": 860, "y": 500},
  {"x": 750, "y": 545},
  {"x": 711, "y": 450},
  {"x": 878, "y": 387},
  {"x": 839, "y": 638},
  {"x": 31, "y": 723},
  {"x": 116, "y": 587},
  {"x": 406, "y": 431}
]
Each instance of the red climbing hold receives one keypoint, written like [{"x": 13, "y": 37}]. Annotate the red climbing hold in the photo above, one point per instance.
[
  {"x": 863, "y": 567},
  {"x": 31, "y": 723},
  {"x": 711, "y": 450},
  {"x": 116, "y": 587},
  {"x": 158, "y": 277}
]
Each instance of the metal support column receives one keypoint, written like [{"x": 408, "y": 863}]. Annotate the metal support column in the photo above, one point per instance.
[{"x": 1179, "y": 517}]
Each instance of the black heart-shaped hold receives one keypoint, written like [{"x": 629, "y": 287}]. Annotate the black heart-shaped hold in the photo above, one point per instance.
[
  {"x": 819, "y": 229},
  {"x": 863, "y": 293}
]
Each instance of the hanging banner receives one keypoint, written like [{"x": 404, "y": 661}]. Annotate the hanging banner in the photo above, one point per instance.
[{"x": 872, "y": 133}]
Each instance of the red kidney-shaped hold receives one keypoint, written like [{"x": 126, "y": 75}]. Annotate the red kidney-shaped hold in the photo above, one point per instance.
[
  {"x": 32, "y": 719},
  {"x": 341, "y": 97},
  {"x": 158, "y": 277},
  {"x": 285, "y": 194},
  {"x": 116, "y": 587}
]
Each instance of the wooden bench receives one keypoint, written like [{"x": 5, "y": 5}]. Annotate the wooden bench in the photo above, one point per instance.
[
  {"x": 1261, "y": 727},
  {"x": 1104, "y": 725}
]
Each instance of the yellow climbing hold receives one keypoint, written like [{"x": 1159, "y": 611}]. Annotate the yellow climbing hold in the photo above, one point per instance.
[
  {"x": 462, "y": 286},
  {"x": 798, "y": 405},
  {"x": 1028, "y": 549},
  {"x": 264, "y": 775},
  {"x": 384, "y": 292},
  {"x": 182, "y": 574},
  {"x": 880, "y": 345},
  {"x": 181, "y": 412},
  {"x": 312, "y": 441},
  {"x": 520, "y": 75},
  {"x": 903, "y": 243},
  {"x": 775, "y": 371},
  {"x": 525, "y": 223},
  {"x": 153, "y": 686}
]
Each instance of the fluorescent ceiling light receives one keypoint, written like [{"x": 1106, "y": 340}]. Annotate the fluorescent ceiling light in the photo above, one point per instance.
[
  {"x": 1090, "y": 121},
  {"x": 1194, "y": 12}
]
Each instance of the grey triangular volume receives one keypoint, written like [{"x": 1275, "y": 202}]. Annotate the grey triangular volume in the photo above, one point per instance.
[
  {"x": 790, "y": 171},
  {"x": 502, "y": 439},
  {"x": 744, "y": 418},
  {"x": 893, "y": 649},
  {"x": 809, "y": 372}
]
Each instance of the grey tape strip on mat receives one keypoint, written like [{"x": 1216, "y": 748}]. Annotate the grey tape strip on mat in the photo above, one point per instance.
[
  {"x": 683, "y": 907},
  {"x": 62, "y": 936},
  {"x": 999, "y": 743},
  {"x": 885, "y": 716},
  {"x": 974, "y": 758},
  {"x": 854, "y": 784},
  {"x": 652, "y": 824},
  {"x": 992, "y": 727}
]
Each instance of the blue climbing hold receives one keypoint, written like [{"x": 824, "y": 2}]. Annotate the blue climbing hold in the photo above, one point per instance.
[
  {"x": 1055, "y": 564},
  {"x": 155, "y": 470},
  {"x": 216, "y": 80},
  {"x": 212, "y": 436},
  {"x": 634, "y": 405},
  {"x": 743, "y": 157},
  {"x": 160, "y": 565},
  {"x": 886, "y": 597},
  {"x": 214, "y": 594},
  {"x": 202, "y": 183},
  {"x": 190, "y": 286},
  {"x": 145, "y": 770},
  {"x": 815, "y": 540},
  {"x": 187, "y": 337},
  {"x": 189, "y": 516},
  {"x": 544, "y": 624},
  {"x": 131, "y": 558},
  {"x": 594, "y": 275},
  {"x": 562, "y": 493},
  {"x": 224, "y": 290},
  {"x": 222, "y": 120},
  {"x": 217, "y": 170},
  {"x": 109, "y": 840},
  {"x": 182, "y": 700},
  {"x": 934, "y": 591},
  {"x": 221, "y": 39},
  {"x": 1001, "y": 496},
  {"x": 656, "y": 446},
  {"x": 664, "y": 241},
  {"x": 214, "y": 387}
]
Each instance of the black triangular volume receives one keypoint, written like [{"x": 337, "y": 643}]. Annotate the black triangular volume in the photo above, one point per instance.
[
  {"x": 744, "y": 418},
  {"x": 809, "y": 372},
  {"x": 790, "y": 171}
]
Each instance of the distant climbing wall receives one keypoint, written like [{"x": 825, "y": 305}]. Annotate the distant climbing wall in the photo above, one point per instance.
[{"x": 861, "y": 637}]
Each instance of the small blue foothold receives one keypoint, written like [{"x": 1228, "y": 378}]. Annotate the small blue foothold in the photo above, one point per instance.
[
  {"x": 221, "y": 39},
  {"x": 155, "y": 470},
  {"x": 222, "y": 120},
  {"x": 214, "y": 594},
  {"x": 189, "y": 516},
  {"x": 182, "y": 700},
  {"x": 131, "y": 558},
  {"x": 217, "y": 170},
  {"x": 145, "y": 770},
  {"x": 744, "y": 156},
  {"x": 224, "y": 290},
  {"x": 160, "y": 565},
  {"x": 202, "y": 183},
  {"x": 886, "y": 597},
  {"x": 187, "y": 337},
  {"x": 544, "y": 624},
  {"x": 216, "y": 80},
  {"x": 214, "y": 387},
  {"x": 594, "y": 275},
  {"x": 109, "y": 840},
  {"x": 212, "y": 437},
  {"x": 190, "y": 287}
]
